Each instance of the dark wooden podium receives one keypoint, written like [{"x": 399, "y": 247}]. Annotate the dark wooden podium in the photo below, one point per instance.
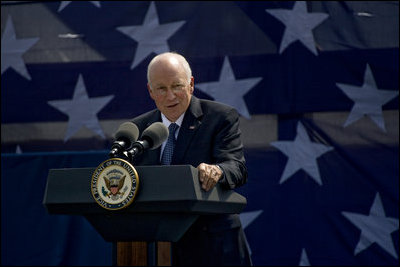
[{"x": 169, "y": 201}]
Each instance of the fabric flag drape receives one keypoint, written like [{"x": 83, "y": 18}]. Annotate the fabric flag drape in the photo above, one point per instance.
[{"x": 316, "y": 85}]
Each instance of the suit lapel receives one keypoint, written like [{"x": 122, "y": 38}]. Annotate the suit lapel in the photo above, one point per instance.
[{"x": 190, "y": 124}]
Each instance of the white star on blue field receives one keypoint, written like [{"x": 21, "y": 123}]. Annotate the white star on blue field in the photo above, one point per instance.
[
  {"x": 228, "y": 90},
  {"x": 298, "y": 25},
  {"x": 375, "y": 228},
  {"x": 82, "y": 110},
  {"x": 12, "y": 50},
  {"x": 64, "y": 4},
  {"x": 151, "y": 35},
  {"x": 247, "y": 218},
  {"x": 368, "y": 100},
  {"x": 302, "y": 154},
  {"x": 304, "y": 261}
]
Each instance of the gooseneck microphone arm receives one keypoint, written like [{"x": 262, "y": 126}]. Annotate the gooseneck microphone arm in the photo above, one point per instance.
[
  {"x": 152, "y": 137},
  {"x": 116, "y": 148},
  {"x": 126, "y": 135},
  {"x": 138, "y": 148}
]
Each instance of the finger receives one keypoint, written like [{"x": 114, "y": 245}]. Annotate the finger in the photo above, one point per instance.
[
  {"x": 201, "y": 169},
  {"x": 208, "y": 176},
  {"x": 204, "y": 186},
  {"x": 211, "y": 171},
  {"x": 201, "y": 176},
  {"x": 204, "y": 172},
  {"x": 205, "y": 182},
  {"x": 210, "y": 184},
  {"x": 214, "y": 173}
]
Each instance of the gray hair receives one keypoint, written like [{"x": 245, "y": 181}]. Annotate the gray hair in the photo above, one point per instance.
[{"x": 182, "y": 60}]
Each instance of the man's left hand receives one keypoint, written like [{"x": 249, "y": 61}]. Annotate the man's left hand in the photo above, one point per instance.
[{"x": 209, "y": 175}]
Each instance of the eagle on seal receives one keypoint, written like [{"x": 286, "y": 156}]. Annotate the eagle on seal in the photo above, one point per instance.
[{"x": 114, "y": 185}]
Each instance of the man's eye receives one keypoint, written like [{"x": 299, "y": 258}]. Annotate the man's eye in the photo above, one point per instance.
[{"x": 177, "y": 86}]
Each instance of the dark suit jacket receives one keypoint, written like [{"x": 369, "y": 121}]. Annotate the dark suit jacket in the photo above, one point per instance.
[{"x": 209, "y": 133}]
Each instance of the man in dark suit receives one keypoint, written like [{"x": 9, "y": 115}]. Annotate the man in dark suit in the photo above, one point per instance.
[{"x": 207, "y": 137}]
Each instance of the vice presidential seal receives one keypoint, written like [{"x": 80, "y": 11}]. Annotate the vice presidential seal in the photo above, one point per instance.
[{"x": 114, "y": 184}]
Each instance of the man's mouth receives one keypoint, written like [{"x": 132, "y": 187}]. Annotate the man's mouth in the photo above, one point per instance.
[{"x": 172, "y": 106}]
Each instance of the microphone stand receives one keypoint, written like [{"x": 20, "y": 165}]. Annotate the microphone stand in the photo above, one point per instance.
[{"x": 137, "y": 149}]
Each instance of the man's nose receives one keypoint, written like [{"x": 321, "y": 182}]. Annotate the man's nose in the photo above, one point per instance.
[{"x": 170, "y": 94}]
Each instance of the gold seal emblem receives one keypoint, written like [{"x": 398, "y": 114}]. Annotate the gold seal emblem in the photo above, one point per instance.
[{"x": 114, "y": 184}]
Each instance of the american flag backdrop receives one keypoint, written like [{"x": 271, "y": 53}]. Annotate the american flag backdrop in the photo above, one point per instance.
[{"x": 316, "y": 84}]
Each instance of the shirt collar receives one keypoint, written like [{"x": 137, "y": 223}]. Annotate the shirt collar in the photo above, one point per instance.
[{"x": 167, "y": 122}]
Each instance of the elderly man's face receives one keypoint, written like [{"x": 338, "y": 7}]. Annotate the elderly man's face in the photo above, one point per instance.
[{"x": 169, "y": 87}]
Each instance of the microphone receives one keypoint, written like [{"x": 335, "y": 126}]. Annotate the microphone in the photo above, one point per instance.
[
  {"x": 152, "y": 137},
  {"x": 125, "y": 136}
]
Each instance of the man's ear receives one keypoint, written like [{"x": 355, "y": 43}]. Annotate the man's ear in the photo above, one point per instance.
[
  {"x": 191, "y": 85},
  {"x": 150, "y": 91}
]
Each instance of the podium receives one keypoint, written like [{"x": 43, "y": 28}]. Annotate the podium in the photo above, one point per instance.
[{"x": 168, "y": 202}]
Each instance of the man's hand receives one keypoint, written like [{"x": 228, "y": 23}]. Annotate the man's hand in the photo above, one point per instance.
[{"x": 209, "y": 175}]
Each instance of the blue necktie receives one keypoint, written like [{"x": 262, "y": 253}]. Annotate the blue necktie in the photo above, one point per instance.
[{"x": 169, "y": 146}]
